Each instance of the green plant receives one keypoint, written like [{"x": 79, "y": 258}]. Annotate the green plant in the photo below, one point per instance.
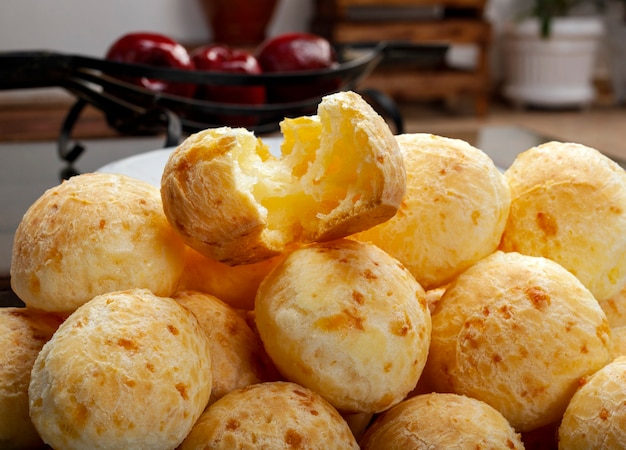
[{"x": 547, "y": 10}]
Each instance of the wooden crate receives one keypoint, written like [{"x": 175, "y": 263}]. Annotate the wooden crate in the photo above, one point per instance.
[{"x": 416, "y": 21}]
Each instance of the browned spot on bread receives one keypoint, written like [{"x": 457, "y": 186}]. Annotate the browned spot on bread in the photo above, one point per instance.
[
  {"x": 474, "y": 328},
  {"x": 475, "y": 217},
  {"x": 347, "y": 319},
  {"x": 232, "y": 424},
  {"x": 304, "y": 398},
  {"x": 182, "y": 389},
  {"x": 293, "y": 439},
  {"x": 584, "y": 349},
  {"x": 232, "y": 327},
  {"x": 547, "y": 223},
  {"x": 358, "y": 297},
  {"x": 400, "y": 327},
  {"x": 538, "y": 297},
  {"x": 603, "y": 331},
  {"x": 369, "y": 275},
  {"x": 604, "y": 414},
  {"x": 505, "y": 311},
  {"x": 128, "y": 344}
]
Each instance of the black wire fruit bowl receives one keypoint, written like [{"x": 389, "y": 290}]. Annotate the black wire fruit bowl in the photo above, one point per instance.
[{"x": 131, "y": 109}]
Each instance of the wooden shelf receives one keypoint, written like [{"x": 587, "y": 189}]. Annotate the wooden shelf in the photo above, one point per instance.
[
  {"x": 342, "y": 5},
  {"x": 453, "y": 30},
  {"x": 455, "y": 22}
]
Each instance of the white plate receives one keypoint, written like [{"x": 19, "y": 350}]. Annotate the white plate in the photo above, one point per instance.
[{"x": 149, "y": 166}]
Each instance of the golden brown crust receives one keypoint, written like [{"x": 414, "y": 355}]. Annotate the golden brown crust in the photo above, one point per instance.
[
  {"x": 230, "y": 199},
  {"x": 595, "y": 416},
  {"x": 237, "y": 355},
  {"x": 517, "y": 332},
  {"x": 618, "y": 336},
  {"x": 22, "y": 334},
  {"x": 270, "y": 416},
  {"x": 208, "y": 200},
  {"x": 92, "y": 234},
  {"x": 348, "y": 321},
  {"x": 127, "y": 369},
  {"x": 569, "y": 205},
  {"x": 453, "y": 212},
  {"x": 441, "y": 421}
]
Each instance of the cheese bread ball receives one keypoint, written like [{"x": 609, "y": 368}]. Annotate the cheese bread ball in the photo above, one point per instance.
[
  {"x": 22, "y": 334},
  {"x": 92, "y": 234},
  {"x": 340, "y": 172},
  {"x": 127, "y": 370},
  {"x": 618, "y": 336},
  {"x": 595, "y": 417},
  {"x": 517, "y": 332},
  {"x": 441, "y": 421},
  {"x": 276, "y": 415},
  {"x": 453, "y": 213},
  {"x": 348, "y": 321},
  {"x": 234, "y": 285},
  {"x": 237, "y": 355},
  {"x": 615, "y": 309},
  {"x": 568, "y": 204}
]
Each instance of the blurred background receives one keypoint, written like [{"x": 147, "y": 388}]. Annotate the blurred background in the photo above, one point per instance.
[
  {"x": 515, "y": 73},
  {"x": 477, "y": 84}
]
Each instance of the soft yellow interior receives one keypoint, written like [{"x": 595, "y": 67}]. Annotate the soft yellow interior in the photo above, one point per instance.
[{"x": 324, "y": 165}]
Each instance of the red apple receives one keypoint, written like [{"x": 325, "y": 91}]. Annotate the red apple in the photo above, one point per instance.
[
  {"x": 297, "y": 52},
  {"x": 291, "y": 52},
  {"x": 223, "y": 58},
  {"x": 154, "y": 49}
]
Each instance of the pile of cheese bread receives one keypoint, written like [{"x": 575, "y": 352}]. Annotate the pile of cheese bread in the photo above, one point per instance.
[{"x": 363, "y": 290}]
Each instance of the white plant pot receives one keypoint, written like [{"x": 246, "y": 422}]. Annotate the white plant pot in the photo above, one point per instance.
[{"x": 556, "y": 72}]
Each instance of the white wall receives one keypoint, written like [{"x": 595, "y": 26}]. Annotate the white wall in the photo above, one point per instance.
[{"x": 89, "y": 27}]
